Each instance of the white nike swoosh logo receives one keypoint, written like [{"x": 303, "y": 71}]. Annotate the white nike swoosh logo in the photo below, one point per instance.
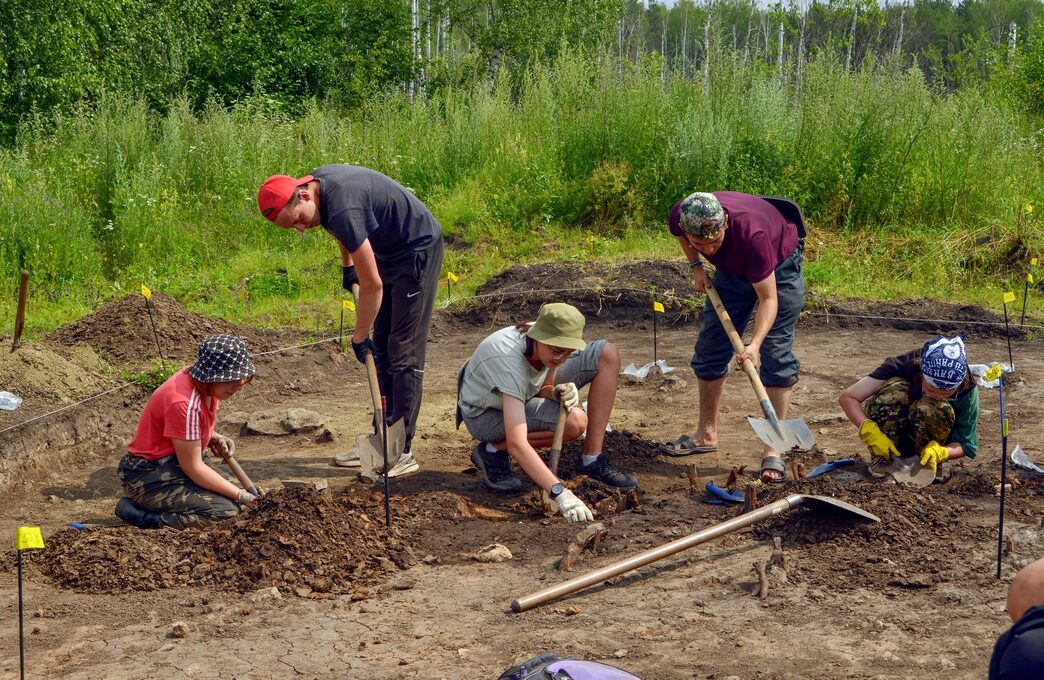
[{"x": 409, "y": 295}]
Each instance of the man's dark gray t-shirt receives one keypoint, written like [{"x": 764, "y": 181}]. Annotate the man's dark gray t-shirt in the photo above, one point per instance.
[{"x": 357, "y": 203}]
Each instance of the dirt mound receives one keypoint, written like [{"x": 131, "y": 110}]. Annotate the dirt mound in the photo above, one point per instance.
[
  {"x": 608, "y": 291},
  {"x": 296, "y": 538},
  {"x": 40, "y": 375},
  {"x": 122, "y": 333},
  {"x": 625, "y": 291},
  {"x": 912, "y": 545},
  {"x": 626, "y": 450},
  {"x": 929, "y": 316}
]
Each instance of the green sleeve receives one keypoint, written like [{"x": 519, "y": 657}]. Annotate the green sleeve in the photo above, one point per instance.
[{"x": 965, "y": 426}]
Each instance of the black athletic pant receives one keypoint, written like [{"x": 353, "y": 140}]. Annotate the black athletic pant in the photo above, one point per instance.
[{"x": 400, "y": 331}]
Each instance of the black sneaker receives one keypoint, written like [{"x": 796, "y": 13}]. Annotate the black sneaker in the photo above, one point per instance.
[
  {"x": 495, "y": 469},
  {"x": 602, "y": 470}
]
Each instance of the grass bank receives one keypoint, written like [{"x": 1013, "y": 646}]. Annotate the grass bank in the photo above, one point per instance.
[{"x": 909, "y": 193}]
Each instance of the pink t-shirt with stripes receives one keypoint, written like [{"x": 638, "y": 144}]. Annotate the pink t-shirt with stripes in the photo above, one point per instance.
[{"x": 175, "y": 411}]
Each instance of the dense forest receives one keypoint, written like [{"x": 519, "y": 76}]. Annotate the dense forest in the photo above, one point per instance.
[{"x": 57, "y": 54}]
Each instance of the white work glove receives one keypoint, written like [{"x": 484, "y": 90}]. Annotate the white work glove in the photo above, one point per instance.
[
  {"x": 567, "y": 395},
  {"x": 244, "y": 496},
  {"x": 573, "y": 509},
  {"x": 222, "y": 445}
]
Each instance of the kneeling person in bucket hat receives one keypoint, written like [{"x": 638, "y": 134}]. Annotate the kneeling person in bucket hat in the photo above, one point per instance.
[
  {"x": 167, "y": 476},
  {"x": 509, "y": 396},
  {"x": 922, "y": 403}
]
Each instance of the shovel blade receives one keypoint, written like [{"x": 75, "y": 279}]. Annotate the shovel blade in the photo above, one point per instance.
[
  {"x": 792, "y": 434},
  {"x": 371, "y": 452},
  {"x": 909, "y": 471},
  {"x": 825, "y": 502}
]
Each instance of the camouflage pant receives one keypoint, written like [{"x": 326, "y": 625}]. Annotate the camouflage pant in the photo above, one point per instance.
[
  {"x": 162, "y": 487},
  {"x": 910, "y": 426}
]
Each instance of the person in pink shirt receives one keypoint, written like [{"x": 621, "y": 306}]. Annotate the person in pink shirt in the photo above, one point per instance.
[{"x": 167, "y": 475}]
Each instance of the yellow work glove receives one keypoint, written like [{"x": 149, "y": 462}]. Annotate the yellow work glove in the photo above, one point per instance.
[
  {"x": 879, "y": 443},
  {"x": 933, "y": 454}
]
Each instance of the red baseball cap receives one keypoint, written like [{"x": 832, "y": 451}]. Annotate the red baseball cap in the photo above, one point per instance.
[{"x": 275, "y": 193}]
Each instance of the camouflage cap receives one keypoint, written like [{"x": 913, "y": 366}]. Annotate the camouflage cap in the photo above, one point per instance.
[{"x": 701, "y": 215}]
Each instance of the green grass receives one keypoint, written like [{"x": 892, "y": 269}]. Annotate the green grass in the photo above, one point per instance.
[{"x": 909, "y": 193}]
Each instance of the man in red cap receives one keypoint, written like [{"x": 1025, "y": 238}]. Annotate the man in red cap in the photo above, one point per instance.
[{"x": 391, "y": 246}]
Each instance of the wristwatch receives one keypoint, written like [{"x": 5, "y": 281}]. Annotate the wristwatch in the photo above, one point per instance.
[
  {"x": 696, "y": 263},
  {"x": 556, "y": 490}
]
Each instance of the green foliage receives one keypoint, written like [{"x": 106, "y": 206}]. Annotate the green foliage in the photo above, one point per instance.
[
  {"x": 577, "y": 160},
  {"x": 152, "y": 377}
]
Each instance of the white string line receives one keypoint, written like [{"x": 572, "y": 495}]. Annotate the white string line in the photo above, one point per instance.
[
  {"x": 653, "y": 295},
  {"x": 66, "y": 408},
  {"x": 446, "y": 304},
  {"x": 127, "y": 384}
]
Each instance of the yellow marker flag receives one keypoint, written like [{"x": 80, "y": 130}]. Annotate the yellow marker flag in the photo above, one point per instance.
[
  {"x": 1029, "y": 277},
  {"x": 146, "y": 292},
  {"x": 451, "y": 276},
  {"x": 348, "y": 305},
  {"x": 29, "y": 538},
  {"x": 1009, "y": 297},
  {"x": 993, "y": 373},
  {"x": 658, "y": 307},
  {"x": 1033, "y": 261},
  {"x": 1005, "y": 427}
]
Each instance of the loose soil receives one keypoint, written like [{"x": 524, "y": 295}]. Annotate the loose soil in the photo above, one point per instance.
[{"x": 912, "y": 596}]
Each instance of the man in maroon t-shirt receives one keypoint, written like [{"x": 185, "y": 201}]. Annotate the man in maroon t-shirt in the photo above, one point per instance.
[{"x": 758, "y": 258}]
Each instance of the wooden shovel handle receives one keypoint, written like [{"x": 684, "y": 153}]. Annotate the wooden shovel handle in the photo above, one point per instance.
[
  {"x": 371, "y": 371},
  {"x": 240, "y": 474},
  {"x": 556, "y": 444},
  {"x": 737, "y": 342}
]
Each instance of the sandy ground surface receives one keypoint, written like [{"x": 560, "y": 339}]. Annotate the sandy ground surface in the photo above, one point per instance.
[{"x": 913, "y": 597}]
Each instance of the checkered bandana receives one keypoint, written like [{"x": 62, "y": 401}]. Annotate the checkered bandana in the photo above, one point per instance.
[
  {"x": 222, "y": 358},
  {"x": 943, "y": 363}
]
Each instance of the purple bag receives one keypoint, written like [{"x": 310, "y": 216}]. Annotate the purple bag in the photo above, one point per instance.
[{"x": 550, "y": 667}]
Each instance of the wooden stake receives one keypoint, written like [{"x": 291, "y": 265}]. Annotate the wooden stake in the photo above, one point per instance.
[
  {"x": 23, "y": 291},
  {"x": 694, "y": 479}
]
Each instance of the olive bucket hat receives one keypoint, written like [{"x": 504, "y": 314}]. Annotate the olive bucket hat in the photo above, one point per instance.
[
  {"x": 559, "y": 325},
  {"x": 222, "y": 358}
]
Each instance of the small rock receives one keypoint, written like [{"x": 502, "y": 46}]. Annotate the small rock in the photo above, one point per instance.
[
  {"x": 179, "y": 629},
  {"x": 317, "y": 484},
  {"x": 36, "y": 630},
  {"x": 494, "y": 552},
  {"x": 462, "y": 652},
  {"x": 403, "y": 583},
  {"x": 38, "y": 614},
  {"x": 53, "y": 499},
  {"x": 429, "y": 559},
  {"x": 283, "y": 421},
  {"x": 620, "y": 653},
  {"x": 265, "y": 594},
  {"x": 572, "y": 611},
  {"x": 947, "y": 664}
]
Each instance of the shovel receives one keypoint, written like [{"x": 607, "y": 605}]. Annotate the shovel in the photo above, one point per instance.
[
  {"x": 556, "y": 453},
  {"x": 782, "y": 435},
  {"x": 686, "y": 542},
  {"x": 371, "y": 447}
]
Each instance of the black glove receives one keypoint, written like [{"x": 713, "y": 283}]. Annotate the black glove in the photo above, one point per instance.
[
  {"x": 361, "y": 348},
  {"x": 348, "y": 276}
]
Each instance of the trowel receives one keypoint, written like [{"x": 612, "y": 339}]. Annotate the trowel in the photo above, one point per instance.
[{"x": 908, "y": 470}]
